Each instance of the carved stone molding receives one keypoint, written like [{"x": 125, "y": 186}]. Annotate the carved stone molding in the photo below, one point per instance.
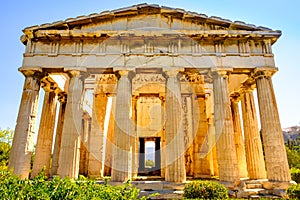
[
  {"x": 106, "y": 79},
  {"x": 192, "y": 78},
  {"x": 143, "y": 78}
]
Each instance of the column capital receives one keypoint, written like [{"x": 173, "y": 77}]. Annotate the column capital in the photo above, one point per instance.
[
  {"x": 62, "y": 97},
  {"x": 82, "y": 73},
  {"x": 49, "y": 85},
  {"x": 221, "y": 72},
  {"x": 172, "y": 73},
  {"x": 247, "y": 87},
  {"x": 32, "y": 72},
  {"x": 130, "y": 73},
  {"x": 235, "y": 97},
  {"x": 263, "y": 73}
]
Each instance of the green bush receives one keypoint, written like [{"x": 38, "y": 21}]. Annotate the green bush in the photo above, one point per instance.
[
  {"x": 205, "y": 190},
  {"x": 294, "y": 191},
  {"x": 11, "y": 187},
  {"x": 295, "y": 174}
]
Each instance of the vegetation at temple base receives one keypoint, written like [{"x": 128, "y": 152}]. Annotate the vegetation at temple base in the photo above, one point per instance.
[
  {"x": 294, "y": 191},
  {"x": 205, "y": 190},
  {"x": 11, "y": 188},
  {"x": 6, "y": 137}
]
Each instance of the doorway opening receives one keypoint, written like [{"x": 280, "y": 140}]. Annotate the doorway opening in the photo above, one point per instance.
[{"x": 149, "y": 156}]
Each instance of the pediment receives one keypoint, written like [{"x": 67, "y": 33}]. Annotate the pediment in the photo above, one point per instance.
[{"x": 144, "y": 19}]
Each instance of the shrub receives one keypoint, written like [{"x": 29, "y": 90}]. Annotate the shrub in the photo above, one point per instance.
[
  {"x": 294, "y": 191},
  {"x": 295, "y": 174},
  {"x": 205, "y": 190},
  {"x": 11, "y": 187}
]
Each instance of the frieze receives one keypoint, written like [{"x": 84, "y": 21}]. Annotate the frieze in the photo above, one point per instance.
[
  {"x": 106, "y": 79},
  {"x": 192, "y": 78},
  {"x": 149, "y": 78}
]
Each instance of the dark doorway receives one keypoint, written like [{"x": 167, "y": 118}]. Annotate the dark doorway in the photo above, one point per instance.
[{"x": 149, "y": 156}]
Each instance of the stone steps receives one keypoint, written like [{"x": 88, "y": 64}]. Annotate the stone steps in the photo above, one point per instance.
[{"x": 254, "y": 189}]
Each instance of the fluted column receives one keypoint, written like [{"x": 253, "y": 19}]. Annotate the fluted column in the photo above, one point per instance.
[
  {"x": 62, "y": 97},
  {"x": 174, "y": 150},
  {"x": 70, "y": 141},
  {"x": 163, "y": 138},
  {"x": 227, "y": 160},
  {"x": 123, "y": 130},
  {"x": 46, "y": 130},
  {"x": 275, "y": 153},
  {"x": 110, "y": 139},
  {"x": 202, "y": 148},
  {"x": 23, "y": 142},
  {"x": 83, "y": 167},
  {"x": 135, "y": 141},
  {"x": 254, "y": 151},
  {"x": 238, "y": 137},
  {"x": 96, "y": 148}
]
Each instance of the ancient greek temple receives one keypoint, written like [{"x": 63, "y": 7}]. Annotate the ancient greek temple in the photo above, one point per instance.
[{"x": 113, "y": 82}]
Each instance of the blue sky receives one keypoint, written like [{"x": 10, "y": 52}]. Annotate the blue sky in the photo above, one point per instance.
[{"x": 278, "y": 15}]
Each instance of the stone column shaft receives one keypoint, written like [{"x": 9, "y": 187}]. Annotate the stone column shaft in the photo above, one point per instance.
[
  {"x": 254, "y": 151},
  {"x": 110, "y": 141},
  {"x": 70, "y": 141},
  {"x": 135, "y": 141},
  {"x": 227, "y": 160},
  {"x": 202, "y": 148},
  {"x": 123, "y": 131},
  {"x": 45, "y": 136},
  {"x": 174, "y": 150},
  {"x": 83, "y": 145},
  {"x": 275, "y": 153},
  {"x": 22, "y": 147},
  {"x": 59, "y": 129},
  {"x": 95, "y": 168},
  {"x": 238, "y": 138}
]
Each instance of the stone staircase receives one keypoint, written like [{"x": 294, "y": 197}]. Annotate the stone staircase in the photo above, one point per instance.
[
  {"x": 248, "y": 189},
  {"x": 166, "y": 190},
  {"x": 254, "y": 189}
]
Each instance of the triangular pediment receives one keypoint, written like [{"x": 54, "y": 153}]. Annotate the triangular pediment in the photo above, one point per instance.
[{"x": 148, "y": 18}]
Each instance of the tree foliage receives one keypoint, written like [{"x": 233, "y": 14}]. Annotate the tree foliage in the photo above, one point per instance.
[{"x": 6, "y": 137}]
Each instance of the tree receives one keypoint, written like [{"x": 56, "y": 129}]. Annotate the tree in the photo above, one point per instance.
[{"x": 6, "y": 137}]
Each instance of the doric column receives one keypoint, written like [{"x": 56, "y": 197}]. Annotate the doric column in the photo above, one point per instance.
[
  {"x": 46, "y": 130},
  {"x": 96, "y": 139},
  {"x": 254, "y": 151},
  {"x": 83, "y": 167},
  {"x": 70, "y": 141},
  {"x": 189, "y": 133},
  {"x": 62, "y": 97},
  {"x": 174, "y": 150},
  {"x": 135, "y": 160},
  {"x": 202, "y": 148},
  {"x": 123, "y": 130},
  {"x": 23, "y": 142},
  {"x": 275, "y": 153},
  {"x": 227, "y": 160},
  {"x": 238, "y": 137},
  {"x": 110, "y": 139},
  {"x": 163, "y": 137}
]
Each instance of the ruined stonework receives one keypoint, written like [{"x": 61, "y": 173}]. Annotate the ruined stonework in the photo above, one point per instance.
[{"x": 149, "y": 74}]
